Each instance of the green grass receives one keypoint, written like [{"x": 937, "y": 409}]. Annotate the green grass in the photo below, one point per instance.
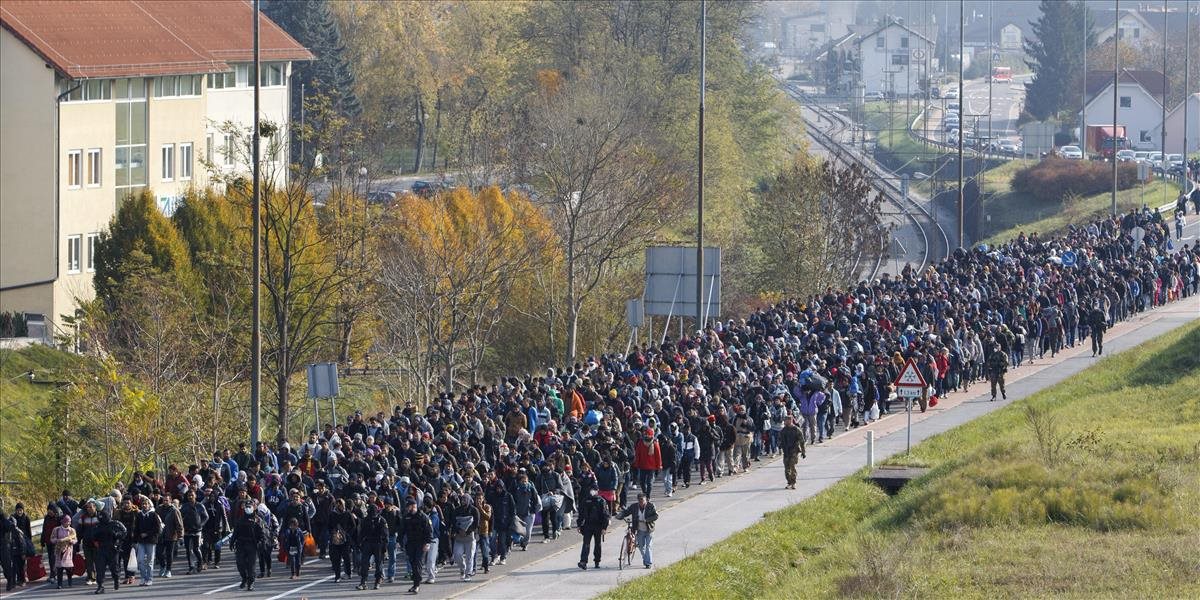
[
  {"x": 1111, "y": 514},
  {"x": 1013, "y": 212}
]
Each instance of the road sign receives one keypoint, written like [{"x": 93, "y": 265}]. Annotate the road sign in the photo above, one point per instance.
[
  {"x": 909, "y": 392},
  {"x": 918, "y": 54},
  {"x": 995, "y": 56},
  {"x": 322, "y": 380},
  {"x": 1068, "y": 258},
  {"x": 910, "y": 377}
]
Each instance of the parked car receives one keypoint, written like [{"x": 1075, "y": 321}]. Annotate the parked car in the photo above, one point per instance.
[
  {"x": 1125, "y": 155},
  {"x": 381, "y": 197},
  {"x": 426, "y": 189},
  {"x": 875, "y": 96},
  {"x": 935, "y": 92},
  {"x": 1071, "y": 152}
]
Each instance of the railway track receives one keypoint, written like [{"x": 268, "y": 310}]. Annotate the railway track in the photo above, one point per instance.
[{"x": 934, "y": 241}]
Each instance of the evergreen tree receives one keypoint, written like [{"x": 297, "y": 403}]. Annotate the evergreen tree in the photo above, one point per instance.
[
  {"x": 139, "y": 240},
  {"x": 313, "y": 25},
  {"x": 1056, "y": 52}
]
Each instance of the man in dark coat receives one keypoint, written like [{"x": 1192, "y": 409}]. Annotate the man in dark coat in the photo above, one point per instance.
[
  {"x": 593, "y": 524},
  {"x": 249, "y": 535},
  {"x": 372, "y": 540},
  {"x": 417, "y": 533}
]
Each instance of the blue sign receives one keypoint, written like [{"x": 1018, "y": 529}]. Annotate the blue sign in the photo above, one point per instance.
[{"x": 1068, "y": 258}]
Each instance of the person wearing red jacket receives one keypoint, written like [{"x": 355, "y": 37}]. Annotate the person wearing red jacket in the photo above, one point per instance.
[{"x": 647, "y": 459}]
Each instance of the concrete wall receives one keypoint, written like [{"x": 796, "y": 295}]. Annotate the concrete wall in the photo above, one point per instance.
[
  {"x": 1175, "y": 127},
  {"x": 27, "y": 180}
]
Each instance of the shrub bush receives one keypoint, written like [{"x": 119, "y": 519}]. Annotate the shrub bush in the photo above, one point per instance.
[{"x": 1053, "y": 179}]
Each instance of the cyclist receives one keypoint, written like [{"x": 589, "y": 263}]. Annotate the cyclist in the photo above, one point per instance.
[
  {"x": 593, "y": 524},
  {"x": 644, "y": 518}
]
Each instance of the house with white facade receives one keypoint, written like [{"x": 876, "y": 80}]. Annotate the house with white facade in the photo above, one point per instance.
[
  {"x": 1139, "y": 104},
  {"x": 892, "y": 59},
  {"x": 102, "y": 100},
  {"x": 1011, "y": 37},
  {"x": 1135, "y": 27},
  {"x": 1176, "y": 124},
  {"x": 805, "y": 35}
]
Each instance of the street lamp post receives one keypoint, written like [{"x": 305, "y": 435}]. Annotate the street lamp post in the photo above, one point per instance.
[
  {"x": 700, "y": 181},
  {"x": 255, "y": 270}
]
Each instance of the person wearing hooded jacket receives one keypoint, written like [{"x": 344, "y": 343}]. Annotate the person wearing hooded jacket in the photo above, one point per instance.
[
  {"x": 647, "y": 460},
  {"x": 372, "y": 538},
  {"x": 194, "y": 516},
  {"x": 249, "y": 536},
  {"x": 593, "y": 524}
]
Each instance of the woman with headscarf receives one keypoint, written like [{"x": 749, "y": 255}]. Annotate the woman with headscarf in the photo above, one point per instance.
[{"x": 63, "y": 538}]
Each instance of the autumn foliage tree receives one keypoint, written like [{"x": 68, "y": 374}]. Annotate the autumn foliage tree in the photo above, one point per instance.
[{"x": 447, "y": 267}]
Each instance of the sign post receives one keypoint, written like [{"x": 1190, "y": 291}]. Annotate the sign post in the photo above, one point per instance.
[{"x": 910, "y": 384}]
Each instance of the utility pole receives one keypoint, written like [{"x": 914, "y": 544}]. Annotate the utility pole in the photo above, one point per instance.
[
  {"x": 1162, "y": 127},
  {"x": 962, "y": 101},
  {"x": 302, "y": 135},
  {"x": 1187, "y": 53},
  {"x": 1083, "y": 110},
  {"x": 1116, "y": 70},
  {"x": 255, "y": 270},
  {"x": 700, "y": 182}
]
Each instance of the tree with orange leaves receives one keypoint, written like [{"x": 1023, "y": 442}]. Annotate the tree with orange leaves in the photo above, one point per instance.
[{"x": 447, "y": 266}]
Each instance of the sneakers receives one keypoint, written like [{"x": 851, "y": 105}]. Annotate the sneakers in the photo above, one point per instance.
[
  {"x": 582, "y": 565},
  {"x": 501, "y": 561}
]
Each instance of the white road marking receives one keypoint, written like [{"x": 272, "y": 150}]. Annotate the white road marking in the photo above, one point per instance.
[
  {"x": 28, "y": 589},
  {"x": 221, "y": 589},
  {"x": 301, "y": 588}
]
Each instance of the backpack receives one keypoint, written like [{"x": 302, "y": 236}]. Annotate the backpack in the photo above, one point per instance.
[
  {"x": 119, "y": 530},
  {"x": 338, "y": 537}
]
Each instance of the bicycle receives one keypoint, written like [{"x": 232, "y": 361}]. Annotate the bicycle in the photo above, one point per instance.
[{"x": 625, "y": 553}]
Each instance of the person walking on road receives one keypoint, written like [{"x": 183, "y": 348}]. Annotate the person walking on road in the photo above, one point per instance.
[
  {"x": 644, "y": 518},
  {"x": 417, "y": 533},
  {"x": 372, "y": 539},
  {"x": 647, "y": 460},
  {"x": 593, "y": 524},
  {"x": 107, "y": 536},
  {"x": 249, "y": 534},
  {"x": 791, "y": 440},
  {"x": 997, "y": 366},
  {"x": 1097, "y": 323},
  {"x": 63, "y": 538},
  {"x": 146, "y": 530}
]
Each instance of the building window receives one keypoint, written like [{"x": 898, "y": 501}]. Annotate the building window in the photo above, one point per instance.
[
  {"x": 185, "y": 161},
  {"x": 1126, "y": 101},
  {"x": 74, "y": 243},
  {"x": 1137, "y": 33},
  {"x": 899, "y": 59},
  {"x": 208, "y": 149},
  {"x": 271, "y": 74},
  {"x": 86, "y": 91},
  {"x": 74, "y": 169},
  {"x": 242, "y": 75},
  {"x": 904, "y": 42},
  {"x": 228, "y": 149},
  {"x": 130, "y": 153},
  {"x": 168, "y": 162},
  {"x": 175, "y": 86},
  {"x": 1144, "y": 136},
  {"x": 220, "y": 81},
  {"x": 93, "y": 167},
  {"x": 92, "y": 238},
  {"x": 880, "y": 41}
]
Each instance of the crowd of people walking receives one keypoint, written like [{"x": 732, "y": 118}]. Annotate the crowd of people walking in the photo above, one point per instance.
[{"x": 458, "y": 485}]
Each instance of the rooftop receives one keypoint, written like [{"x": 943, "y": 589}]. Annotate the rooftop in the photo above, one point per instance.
[{"x": 88, "y": 39}]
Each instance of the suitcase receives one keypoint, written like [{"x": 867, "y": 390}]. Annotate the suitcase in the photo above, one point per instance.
[{"x": 34, "y": 569}]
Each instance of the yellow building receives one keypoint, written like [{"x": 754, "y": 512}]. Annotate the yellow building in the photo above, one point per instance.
[{"x": 102, "y": 99}]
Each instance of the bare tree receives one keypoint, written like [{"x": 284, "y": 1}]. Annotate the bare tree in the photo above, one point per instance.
[{"x": 590, "y": 155}]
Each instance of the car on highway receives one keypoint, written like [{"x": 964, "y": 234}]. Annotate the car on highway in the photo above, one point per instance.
[
  {"x": 875, "y": 96},
  {"x": 951, "y": 107},
  {"x": 935, "y": 92},
  {"x": 1141, "y": 155},
  {"x": 1070, "y": 152},
  {"x": 950, "y": 94},
  {"x": 1008, "y": 147},
  {"x": 1125, "y": 155},
  {"x": 950, "y": 125}
]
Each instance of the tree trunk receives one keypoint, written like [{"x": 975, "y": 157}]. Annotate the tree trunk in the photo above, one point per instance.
[
  {"x": 284, "y": 363},
  {"x": 449, "y": 374},
  {"x": 572, "y": 305},
  {"x": 344, "y": 346},
  {"x": 419, "y": 107},
  {"x": 437, "y": 126}
]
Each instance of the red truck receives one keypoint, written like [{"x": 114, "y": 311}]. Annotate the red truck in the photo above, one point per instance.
[{"x": 1106, "y": 140}]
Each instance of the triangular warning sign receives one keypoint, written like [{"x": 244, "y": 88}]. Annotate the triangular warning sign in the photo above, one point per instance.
[{"x": 910, "y": 376}]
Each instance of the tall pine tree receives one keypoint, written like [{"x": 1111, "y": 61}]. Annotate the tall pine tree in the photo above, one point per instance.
[
  {"x": 1056, "y": 56},
  {"x": 313, "y": 25}
]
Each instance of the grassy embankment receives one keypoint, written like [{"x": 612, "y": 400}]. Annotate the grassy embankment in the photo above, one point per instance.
[
  {"x": 1013, "y": 212},
  {"x": 1102, "y": 505}
]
